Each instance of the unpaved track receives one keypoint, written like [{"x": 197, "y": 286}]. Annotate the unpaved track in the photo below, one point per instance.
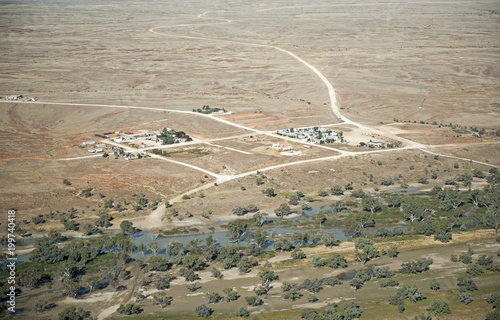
[
  {"x": 327, "y": 83},
  {"x": 154, "y": 219}
]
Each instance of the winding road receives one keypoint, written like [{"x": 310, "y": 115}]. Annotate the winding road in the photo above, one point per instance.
[{"x": 155, "y": 218}]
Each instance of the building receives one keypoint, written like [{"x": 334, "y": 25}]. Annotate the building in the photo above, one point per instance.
[
  {"x": 88, "y": 143},
  {"x": 14, "y": 97},
  {"x": 374, "y": 144}
]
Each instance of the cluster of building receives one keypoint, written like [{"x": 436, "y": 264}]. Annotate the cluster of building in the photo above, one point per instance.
[
  {"x": 19, "y": 97},
  {"x": 374, "y": 144},
  {"x": 280, "y": 147},
  {"x": 97, "y": 147},
  {"x": 313, "y": 134}
]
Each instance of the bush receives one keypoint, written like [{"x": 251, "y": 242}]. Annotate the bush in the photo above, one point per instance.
[
  {"x": 163, "y": 300},
  {"x": 214, "y": 297},
  {"x": 292, "y": 294},
  {"x": 494, "y": 299},
  {"x": 262, "y": 290},
  {"x": 435, "y": 285},
  {"x": 203, "y": 311},
  {"x": 38, "y": 219},
  {"x": 193, "y": 287},
  {"x": 443, "y": 236},
  {"x": 217, "y": 274},
  {"x": 466, "y": 284},
  {"x": 129, "y": 309},
  {"x": 484, "y": 260},
  {"x": 465, "y": 258},
  {"x": 474, "y": 270},
  {"x": 386, "y": 182},
  {"x": 417, "y": 266},
  {"x": 439, "y": 307},
  {"x": 254, "y": 301},
  {"x": 393, "y": 252},
  {"x": 494, "y": 315},
  {"x": 242, "y": 312},
  {"x": 352, "y": 311},
  {"x": 269, "y": 192},
  {"x": 298, "y": 254},
  {"x": 312, "y": 298},
  {"x": 313, "y": 285},
  {"x": 466, "y": 298},
  {"x": 335, "y": 261},
  {"x": 43, "y": 305},
  {"x": 267, "y": 275},
  {"x": 383, "y": 272},
  {"x": 388, "y": 283},
  {"x": 246, "y": 263},
  {"x": 71, "y": 313},
  {"x": 309, "y": 314}
]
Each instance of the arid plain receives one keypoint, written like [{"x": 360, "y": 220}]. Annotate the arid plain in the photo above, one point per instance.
[{"x": 424, "y": 73}]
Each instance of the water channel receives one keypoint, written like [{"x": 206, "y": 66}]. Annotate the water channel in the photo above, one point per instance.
[{"x": 221, "y": 238}]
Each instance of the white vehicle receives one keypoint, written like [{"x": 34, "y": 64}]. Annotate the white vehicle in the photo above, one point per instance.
[
  {"x": 91, "y": 150},
  {"x": 308, "y": 147}
]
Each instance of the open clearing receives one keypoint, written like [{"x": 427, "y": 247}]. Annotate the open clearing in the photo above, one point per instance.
[{"x": 421, "y": 76}]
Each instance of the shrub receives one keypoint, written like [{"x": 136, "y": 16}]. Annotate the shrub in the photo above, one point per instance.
[
  {"x": 466, "y": 284},
  {"x": 242, "y": 312},
  {"x": 129, "y": 309},
  {"x": 435, "y": 285},
  {"x": 217, "y": 274},
  {"x": 465, "y": 258},
  {"x": 383, "y": 272},
  {"x": 269, "y": 192},
  {"x": 309, "y": 313},
  {"x": 214, "y": 297},
  {"x": 246, "y": 263},
  {"x": 388, "y": 283},
  {"x": 74, "y": 313},
  {"x": 474, "y": 270},
  {"x": 393, "y": 252},
  {"x": 494, "y": 315},
  {"x": 417, "y": 266},
  {"x": 193, "y": 287},
  {"x": 484, "y": 260},
  {"x": 298, "y": 254},
  {"x": 292, "y": 294},
  {"x": 335, "y": 261},
  {"x": 203, "y": 311},
  {"x": 231, "y": 295},
  {"x": 494, "y": 299},
  {"x": 386, "y": 182},
  {"x": 43, "y": 305},
  {"x": 163, "y": 300},
  {"x": 439, "y": 307},
  {"x": 352, "y": 311},
  {"x": 254, "y": 301},
  {"x": 466, "y": 298},
  {"x": 267, "y": 275}
]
